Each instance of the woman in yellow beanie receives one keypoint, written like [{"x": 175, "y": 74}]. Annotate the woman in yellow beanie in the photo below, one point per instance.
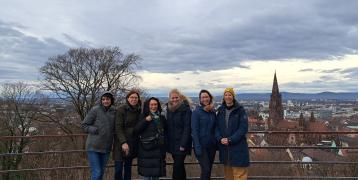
[{"x": 231, "y": 133}]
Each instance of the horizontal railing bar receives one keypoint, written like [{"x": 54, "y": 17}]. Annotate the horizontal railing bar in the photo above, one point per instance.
[
  {"x": 44, "y": 169},
  {"x": 250, "y": 132},
  {"x": 280, "y": 177},
  {"x": 186, "y": 163},
  {"x": 42, "y": 153},
  {"x": 42, "y": 136},
  {"x": 251, "y": 147},
  {"x": 165, "y": 178},
  {"x": 301, "y": 147},
  {"x": 285, "y": 162},
  {"x": 300, "y": 177},
  {"x": 250, "y": 177},
  {"x": 275, "y": 177},
  {"x": 303, "y": 132},
  {"x": 300, "y": 162}
]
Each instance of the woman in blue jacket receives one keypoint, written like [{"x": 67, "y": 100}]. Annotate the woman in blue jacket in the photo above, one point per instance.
[
  {"x": 202, "y": 130},
  {"x": 231, "y": 132}
]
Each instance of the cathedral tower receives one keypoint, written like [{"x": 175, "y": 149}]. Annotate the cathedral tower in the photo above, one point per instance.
[{"x": 275, "y": 107}]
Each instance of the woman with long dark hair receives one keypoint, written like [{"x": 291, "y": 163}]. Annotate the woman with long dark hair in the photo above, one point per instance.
[{"x": 151, "y": 129}]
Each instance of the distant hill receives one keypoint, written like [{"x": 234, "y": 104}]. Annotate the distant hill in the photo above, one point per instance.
[
  {"x": 285, "y": 96},
  {"x": 301, "y": 96}
]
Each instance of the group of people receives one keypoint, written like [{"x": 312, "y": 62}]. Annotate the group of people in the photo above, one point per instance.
[{"x": 148, "y": 131}]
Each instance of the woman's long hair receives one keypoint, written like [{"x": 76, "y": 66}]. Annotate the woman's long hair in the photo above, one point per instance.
[
  {"x": 207, "y": 92},
  {"x": 146, "y": 109},
  {"x": 182, "y": 97}
]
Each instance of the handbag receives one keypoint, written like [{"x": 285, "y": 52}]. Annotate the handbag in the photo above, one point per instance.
[{"x": 149, "y": 143}]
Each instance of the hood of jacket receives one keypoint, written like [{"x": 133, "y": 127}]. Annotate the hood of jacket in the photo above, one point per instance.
[{"x": 111, "y": 96}]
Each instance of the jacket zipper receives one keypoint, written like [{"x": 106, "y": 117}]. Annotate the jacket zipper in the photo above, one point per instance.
[{"x": 228, "y": 149}]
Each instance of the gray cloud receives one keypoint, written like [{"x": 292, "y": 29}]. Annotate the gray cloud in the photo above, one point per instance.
[
  {"x": 76, "y": 42},
  {"x": 304, "y": 30},
  {"x": 320, "y": 85},
  {"x": 351, "y": 73},
  {"x": 202, "y": 35},
  {"x": 350, "y": 70},
  {"x": 218, "y": 84},
  {"x": 327, "y": 78},
  {"x": 331, "y": 70},
  {"x": 22, "y": 55},
  {"x": 306, "y": 70},
  {"x": 217, "y": 81},
  {"x": 8, "y": 73},
  {"x": 187, "y": 35}
]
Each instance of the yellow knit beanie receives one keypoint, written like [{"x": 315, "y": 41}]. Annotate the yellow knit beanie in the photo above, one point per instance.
[{"x": 230, "y": 90}]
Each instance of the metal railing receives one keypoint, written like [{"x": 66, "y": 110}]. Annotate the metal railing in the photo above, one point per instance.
[{"x": 11, "y": 138}]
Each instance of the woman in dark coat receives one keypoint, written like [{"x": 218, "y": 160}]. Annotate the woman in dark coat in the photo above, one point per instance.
[
  {"x": 126, "y": 141},
  {"x": 151, "y": 151},
  {"x": 231, "y": 132},
  {"x": 99, "y": 124},
  {"x": 179, "y": 137},
  {"x": 203, "y": 122}
]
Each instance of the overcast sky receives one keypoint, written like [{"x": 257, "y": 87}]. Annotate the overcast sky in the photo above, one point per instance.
[{"x": 193, "y": 44}]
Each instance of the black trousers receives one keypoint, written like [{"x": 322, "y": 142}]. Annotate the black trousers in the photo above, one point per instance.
[
  {"x": 206, "y": 160},
  {"x": 178, "y": 167}
]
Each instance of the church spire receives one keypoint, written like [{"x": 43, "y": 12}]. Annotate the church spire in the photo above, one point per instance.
[
  {"x": 275, "y": 106},
  {"x": 275, "y": 89}
]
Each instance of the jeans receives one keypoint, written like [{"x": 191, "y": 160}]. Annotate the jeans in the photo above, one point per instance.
[
  {"x": 125, "y": 164},
  {"x": 151, "y": 178},
  {"x": 98, "y": 162},
  {"x": 206, "y": 160},
  {"x": 178, "y": 167}
]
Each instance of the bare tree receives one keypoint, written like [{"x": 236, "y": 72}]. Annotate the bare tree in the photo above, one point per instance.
[
  {"x": 80, "y": 75},
  {"x": 18, "y": 110}
]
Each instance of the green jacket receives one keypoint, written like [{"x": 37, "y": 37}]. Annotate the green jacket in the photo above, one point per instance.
[{"x": 125, "y": 121}]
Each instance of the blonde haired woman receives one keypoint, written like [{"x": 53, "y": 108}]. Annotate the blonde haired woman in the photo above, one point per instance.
[{"x": 178, "y": 116}]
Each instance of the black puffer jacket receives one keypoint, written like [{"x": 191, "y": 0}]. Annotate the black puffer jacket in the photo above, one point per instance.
[
  {"x": 151, "y": 162},
  {"x": 179, "y": 129}
]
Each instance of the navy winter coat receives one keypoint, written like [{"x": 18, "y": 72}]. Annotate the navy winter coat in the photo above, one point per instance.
[
  {"x": 203, "y": 129},
  {"x": 236, "y": 154}
]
